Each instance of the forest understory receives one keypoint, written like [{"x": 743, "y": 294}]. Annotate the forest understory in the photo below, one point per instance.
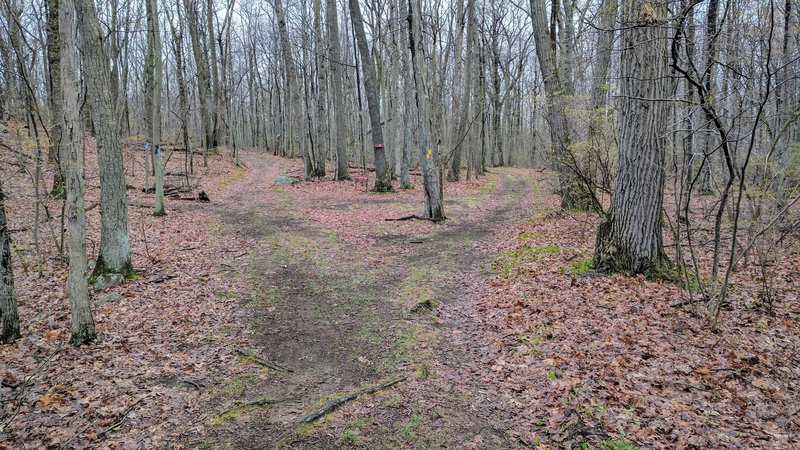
[{"x": 299, "y": 317}]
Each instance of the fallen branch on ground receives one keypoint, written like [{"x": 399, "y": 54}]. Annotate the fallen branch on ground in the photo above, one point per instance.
[
  {"x": 331, "y": 405},
  {"x": 411, "y": 217},
  {"x": 262, "y": 362}
]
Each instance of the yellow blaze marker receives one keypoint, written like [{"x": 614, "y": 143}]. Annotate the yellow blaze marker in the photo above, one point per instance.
[{"x": 428, "y": 154}]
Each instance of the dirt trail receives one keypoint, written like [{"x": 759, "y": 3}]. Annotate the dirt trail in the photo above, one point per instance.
[{"x": 339, "y": 316}]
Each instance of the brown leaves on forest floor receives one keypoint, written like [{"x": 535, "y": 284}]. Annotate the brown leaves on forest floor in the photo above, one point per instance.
[
  {"x": 577, "y": 357},
  {"x": 528, "y": 349},
  {"x": 164, "y": 342}
]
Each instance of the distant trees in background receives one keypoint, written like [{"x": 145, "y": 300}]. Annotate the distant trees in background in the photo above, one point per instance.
[{"x": 633, "y": 104}]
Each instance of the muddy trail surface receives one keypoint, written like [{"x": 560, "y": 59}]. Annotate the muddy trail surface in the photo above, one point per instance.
[{"x": 360, "y": 328}]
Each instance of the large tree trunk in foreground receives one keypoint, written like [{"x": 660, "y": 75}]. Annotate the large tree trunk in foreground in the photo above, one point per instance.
[
  {"x": 83, "y": 330},
  {"x": 576, "y": 193},
  {"x": 630, "y": 238},
  {"x": 434, "y": 207},
  {"x": 339, "y": 117},
  {"x": 115, "y": 250},
  {"x": 382, "y": 181},
  {"x": 9, "y": 319}
]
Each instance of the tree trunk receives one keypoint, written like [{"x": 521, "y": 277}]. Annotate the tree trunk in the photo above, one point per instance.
[
  {"x": 382, "y": 181},
  {"x": 9, "y": 318},
  {"x": 292, "y": 103},
  {"x": 214, "y": 68},
  {"x": 322, "y": 143},
  {"x": 115, "y": 251},
  {"x": 576, "y": 193},
  {"x": 183, "y": 99},
  {"x": 83, "y": 330},
  {"x": 630, "y": 237},
  {"x": 708, "y": 134},
  {"x": 54, "y": 66},
  {"x": 784, "y": 106},
  {"x": 339, "y": 116},
  {"x": 460, "y": 136},
  {"x": 203, "y": 77},
  {"x": 434, "y": 207},
  {"x": 602, "y": 61},
  {"x": 154, "y": 40},
  {"x": 408, "y": 96}
]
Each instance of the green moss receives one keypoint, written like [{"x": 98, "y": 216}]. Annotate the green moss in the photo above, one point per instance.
[
  {"x": 583, "y": 267},
  {"x": 509, "y": 262},
  {"x": 408, "y": 429},
  {"x": 238, "y": 386},
  {"x": 236, "y": 176},
  {"x": 349, "y": 436},
  {"x": 233, "y": 412},
  {"x": 383, "y": 184},
  {"x": 674, "y": 273},
  {"x": 83, "y": 336},
  {"x": 100, "y": 268}
]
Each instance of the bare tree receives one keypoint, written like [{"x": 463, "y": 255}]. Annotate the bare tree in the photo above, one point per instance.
[
  {"x": 154, "y": 69},
  {"x": 630, "y": 237},
  {"x": 434, "y": 207},
  {"x": 115, "y": 251},
  {"x": 9, "y": 319},
  {"x": 339, "y": 117},
  {"x": 383, "y": 182},
  {"x": 576, "y": 192},
  {"x": 53, "y": 62},
  {"x": 83, "y": 330}
]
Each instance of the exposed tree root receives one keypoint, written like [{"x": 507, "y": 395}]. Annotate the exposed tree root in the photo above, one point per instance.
[
  {"x": 331, "y": 405},
  {"x": 262, "y": 362}
]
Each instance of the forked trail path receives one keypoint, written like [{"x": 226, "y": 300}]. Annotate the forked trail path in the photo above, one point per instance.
[{"x": 349, "y": 301}]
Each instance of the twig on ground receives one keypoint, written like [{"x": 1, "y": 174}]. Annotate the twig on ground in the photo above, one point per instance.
[
  {"x": 411, "y": 217},
  {"x": 25, "y": 385},
  {"x": 262, "y": 362}
]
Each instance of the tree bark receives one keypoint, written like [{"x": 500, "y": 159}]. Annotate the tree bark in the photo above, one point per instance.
[
  {"x": 183, "y": 99},
  {"x": 203, "y": 77},
  {"x": 576, "y": 193},
  {"x": 115, "y": 251},
  {"x": 322, "y": 143},
  {"x": 460, "y": 136},
  {"x": 709, "y": 141},
  {"x": 54, "y": 66},
  {"x": 154, "y": 40},
  {"x": 9, "y": 318},
  {"x": 784, "y": 106},
  {"x": 382, "y": 181},
  {"x": 602, "y": 61},
  {"x": 292, "y": 103},
  {"x": 339, "y": 117},
  {"x": 408, "y": 95},
  {"x": 83, "y": 329},
  {"x": 434, "y": 207},
  {"x": 630, "y": 237}
]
